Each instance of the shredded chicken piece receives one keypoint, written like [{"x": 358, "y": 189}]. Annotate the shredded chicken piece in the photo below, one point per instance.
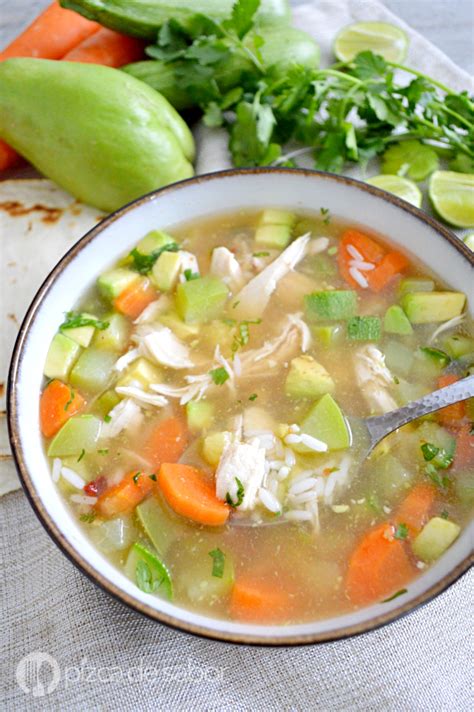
[
  {"x": 187, "y": 261},
  {"x": 253, "y": 299},
  {"x": 245, "y": 462},
  {"x": 166, "y": 349},
  {"x": 373, "y": 378},
  {"x": 225, "y": 266},
  {"x": 138, "y": 394},
  {"x": 153, "y": 310},
  {"x": 126, "y": 415},
  {"x": 195, "y": 389},
  {"x": 446, "y": 326}
]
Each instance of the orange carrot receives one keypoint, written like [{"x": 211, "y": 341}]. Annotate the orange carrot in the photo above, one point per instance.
[
  {"x": 167, "y": 442},
  {"x": 133, "y": 300},
  {"x": 368, "y": 248},
  {"x": 108, "y": 48},
  {"x": 124, "y": 497},
  {"x": 188, "y": 492},
  {"x": 464, "y": 457},
  {"x": 415, "y": 509},
  {"x": 58, "y": 403},
  {"x": 391, "y": 265},
  {"x": 51, "y": 35},
  {"x": 378, "y": 567},
  {"x": 9, "y": 158},
  {"x": 452, "y": 414},
  {"x": 258, "y": 601}
]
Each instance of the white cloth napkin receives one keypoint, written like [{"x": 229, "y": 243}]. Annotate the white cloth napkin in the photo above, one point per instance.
[{"x": 110, "y": 658}]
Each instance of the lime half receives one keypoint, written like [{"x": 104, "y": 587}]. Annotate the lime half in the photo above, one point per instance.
[
  {"x": 410, "y": 158},
  {"x": 452, "y": 195},
  {"x": 379, "y": 37},
  {"x": 469, "y": 240},
  {"x": 402, "y": 187}
]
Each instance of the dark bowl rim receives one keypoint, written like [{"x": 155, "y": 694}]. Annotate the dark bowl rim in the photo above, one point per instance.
[{"x": 79, "y": 561}]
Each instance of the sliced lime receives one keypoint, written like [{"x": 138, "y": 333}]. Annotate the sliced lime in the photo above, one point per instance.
[
  {"x": 410, "y": 158},
  {"x": 379, "y": 37},
  {"x": 469, "y": 240},
  {"x": 402, "y": 187},
  {"x": 452, "y": 195}
]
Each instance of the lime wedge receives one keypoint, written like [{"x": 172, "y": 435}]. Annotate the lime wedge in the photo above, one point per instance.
[
  {"x": 410, "y": 158},
  {"x": 469, "y": 240},
  {"x": 379, "y": 37},
  {"x": 402, "y": 187},
  {"x": 452, "y": 195}
]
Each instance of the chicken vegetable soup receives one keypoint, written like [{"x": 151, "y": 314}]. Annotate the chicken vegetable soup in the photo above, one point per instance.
[{"x": 195, "y": 415}]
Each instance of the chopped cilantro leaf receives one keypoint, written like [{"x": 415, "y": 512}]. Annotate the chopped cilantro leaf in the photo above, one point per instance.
[
  {"x": 83, "y": 452},
  {"x": 429, "y": 451},
  {"x": 444, "y": 514},
  {"x": 135, "y": 477},
  {"x": 240, "y": 495},
  {"x": 218, "y": 562},
  {"x": 401, "y": 531},
  {"x": 87, "y": 517},
  {"x": 144, "y": 263},
  {"x": 152, "y": 477},
  {"x": 253, "y": 397},
  {"x": 190, "y": 275},
  {"x": 261, "y": 254},
  {"x": 219, "y": 375},
  {"x": 104, "y": 451},
  {"x": 71, "y": 398},
  {"x": 395, "y": 595},
  {"x": 107, "y": 418},
  {"x": 75, "y": 321}
]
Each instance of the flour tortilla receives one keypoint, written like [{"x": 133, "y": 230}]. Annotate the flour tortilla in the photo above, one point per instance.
[{"x": 39, "y": 222}]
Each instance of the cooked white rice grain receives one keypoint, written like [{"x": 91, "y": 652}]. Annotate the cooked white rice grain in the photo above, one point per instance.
[
  {"x": 56, "y": 472},
  {"x": 354, "y": 253},
  {"x": 72, "y": 477},
  {"x": 269, "y": 500},
  {"x": 298, "y": 515},
  {"x": 302, "y": 485},
  {"x": 313, "y": 443},
  {"x": 358, "y": 277},
  {"x": 82, "y": 499}
]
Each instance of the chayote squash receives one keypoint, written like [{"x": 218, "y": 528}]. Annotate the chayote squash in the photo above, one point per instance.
[{"x": 99, "y": 133}]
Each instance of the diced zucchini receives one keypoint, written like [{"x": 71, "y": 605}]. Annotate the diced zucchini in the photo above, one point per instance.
[
  {"x": 328, "y": 335},
  {"x": 157, "y": 578},
  {"x": 213, "y": 446},
  {"x": 201, "y": 300},
  {"x": 166, "y": 270},
  {"x": 141, "y": 372},
  {"x": 62, "y": 355},
  {"x": 435, "y": 538},
  {"x": 326, "y": 422},
  {"x": 431, "y": 307},
  {"x": 115, "y": 281},
  {"x": 116, "y": 336},
  {"x": 415, "y": 284},
  {"x": 408, "y": 392},
  {"x": 438, "y": 436},
  {"x": 200, "y": 414},
  {"x": 193, "y": 572},
  {"x": 458, "y": 345},
  {"x": 104, "y": 404},
  {"x": 154, "y": 240},
  {"x": 160, "y": 524},
  {"x": 82, "y": 335},
  {"x": 331, "y": 305},
  {"x": 93, "y": 370},
  {"x": 274, "y": 228},
  {"x": 396, "y": 321},
  {"x": 79, "y": 433},
  {"x": 464, "y": 486},
  {"x": 307, "y": 379},
  {"x": 364, "y": 328},
  {"x": 391, "y": 477},
  {"x": 398, "y": 358},
  {"x": 178, "y": 326}
]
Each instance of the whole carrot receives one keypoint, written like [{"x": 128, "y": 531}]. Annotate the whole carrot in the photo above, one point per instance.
[
  {"x": 108, "y": 48},
  {"x": 50, "y": 36}
]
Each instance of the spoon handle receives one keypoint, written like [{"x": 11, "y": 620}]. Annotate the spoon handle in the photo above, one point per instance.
[{"x": 382, "y": 425}]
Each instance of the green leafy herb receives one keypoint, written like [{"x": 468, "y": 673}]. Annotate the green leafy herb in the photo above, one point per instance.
[
  {"x": 71, "y": 398},
  {"x": 436, "y": 355},
  {"x": 75, "y": 321},
  {"x": 439, "y": 480},
  {"x": 88, "y": 517},
  {"x": 444, "y": 514},
  {"x": 395, "y": 595},
  {"x": 190, "y": 275},
  {"x": 332, "y": 251},
  {"x": 218, "y": 562},
  {"x": 253, "y": 397},
  {"x": 240, "y": 495},
  {"x": 144, "y": 263},
  {"x": 152, "y": 477},
  {"x": 104, "y": 451},
  {"x": 326, "y": 215},
  {"x": 151, "y": 573},
  {"x": 219, "y": 375},
  {"x": 243, "y": 334},
  {"x": 83, "y": 452},
  {"x": 241, "y": 19},
  {"x": 373, "y": 503},
  {"x": 136, "y": 477},
  {"x": 107, "y": 418},
  {"x": 429, "y": 451},
  {"x": 401, "y": 531},
  {"x": 261, "y": 254}
]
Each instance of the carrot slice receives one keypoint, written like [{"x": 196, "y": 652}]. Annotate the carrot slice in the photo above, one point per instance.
[
  {"x": 378, "y": 566},
  {"x": 368, "y": 248},
  {"x": 391, "y": 265},
  {"x": 58, "y": 403},
  {"x": 51, "y": 35},
  {"x": 464, "y": 456},
  {"x": 188, "y": 492},
  {"x": 133, "y": 300},
  {"x": 123, "y": 497},
  {"x": 108, "y": 48},
  {"x": 257, "y": 601},
  {"x": 415, "y": 509},
  {"x": 452, "y": 414},
  {"x": 167, "y": 442}
]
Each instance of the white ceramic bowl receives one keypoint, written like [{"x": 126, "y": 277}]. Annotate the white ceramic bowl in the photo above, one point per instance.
[{"x": 350, "y": 200}]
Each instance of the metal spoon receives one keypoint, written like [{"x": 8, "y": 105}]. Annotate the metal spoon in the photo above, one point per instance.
[{"x": 368, "y": 432}]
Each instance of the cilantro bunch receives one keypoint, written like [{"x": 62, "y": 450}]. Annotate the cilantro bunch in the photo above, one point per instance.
[{"x": 347, "y": 113}]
